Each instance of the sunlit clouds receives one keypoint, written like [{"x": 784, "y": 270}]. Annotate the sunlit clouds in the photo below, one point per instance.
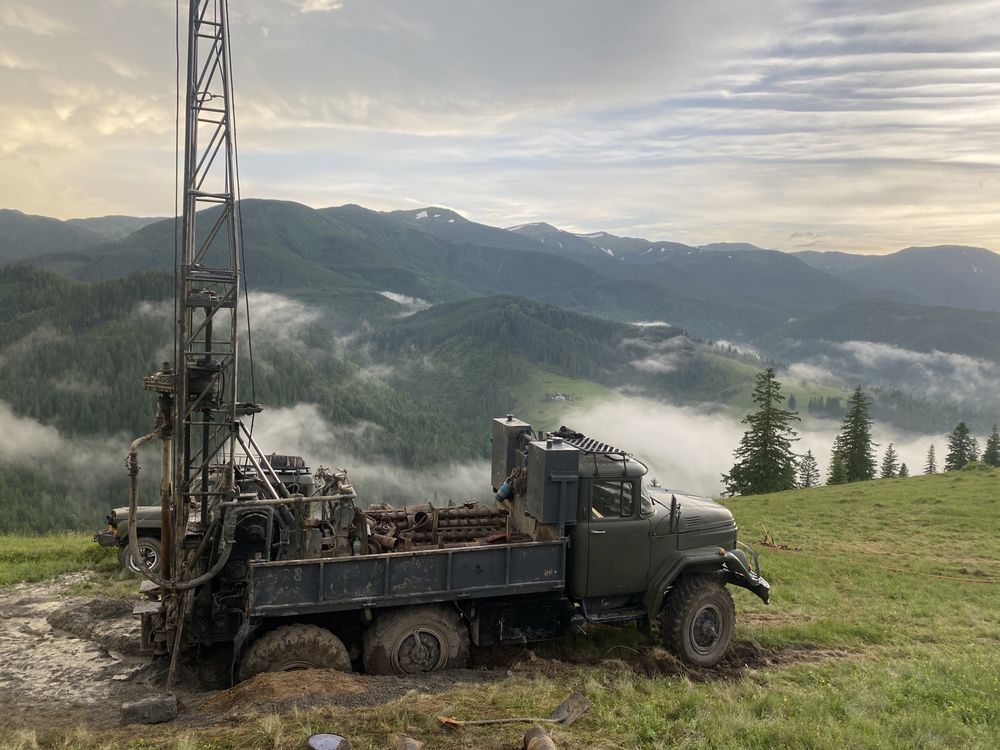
[{"x": 831, "y": 124}]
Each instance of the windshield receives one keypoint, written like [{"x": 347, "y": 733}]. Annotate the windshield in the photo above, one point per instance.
[{"x": 645, "y": 502}]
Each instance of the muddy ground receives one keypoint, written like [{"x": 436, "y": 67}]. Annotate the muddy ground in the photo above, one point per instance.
[
  {"x": 68, "y": 661},
  {"x": 64, "y": 660}
]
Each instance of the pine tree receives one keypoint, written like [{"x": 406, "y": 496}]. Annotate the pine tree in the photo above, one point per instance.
[
  {"x": 890, "y": 463},
  {"x": 903, "y": 471},
  {"x": 856, "y": 447},
  {"x": 764, "y": 459},
  {"x": 838, "y": 471},
  {"x": 930, "y": 467},
  {"x": 808, "y": 471},
  {"x": 991, "y": 456},
  {"x": 962, "y": 448},
  {"x": 792, "y": 405}
]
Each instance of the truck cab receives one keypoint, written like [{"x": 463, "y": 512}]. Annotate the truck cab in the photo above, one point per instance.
[{"x": 637, "y": 552}]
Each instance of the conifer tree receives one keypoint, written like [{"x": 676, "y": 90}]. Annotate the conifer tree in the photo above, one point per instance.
[
  {"x": 856, "y": 447},
  {"x": 890, "y": 463},
  {"x": 808, "y": 471},
  {"x": 930, "y": 467},
  {"x": 764, "y": 459},
  {"x": 838, "y": 472},
  {"x": 991, "y": 456},
  {"x": 962, "y": 448},
  {"x": 903, "y": 471}
]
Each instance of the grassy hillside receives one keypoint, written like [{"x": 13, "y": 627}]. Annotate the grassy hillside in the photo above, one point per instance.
[{"x": 881, "y": 633}]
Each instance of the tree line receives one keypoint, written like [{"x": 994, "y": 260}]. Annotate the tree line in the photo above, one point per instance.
[{"x": 765, "y": 461}]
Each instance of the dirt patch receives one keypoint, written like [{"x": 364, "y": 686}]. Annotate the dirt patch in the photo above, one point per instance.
[
  {"x": 657, "y": 662},
  {"x": 51, "y": 677},
  {"x": 314, "y": 688},
  {"x": 773, "y": 618},
  {"x": 741, "y": 659},
  {"x": 109, "y": 622},
  {"x": 275, "y": 686}
]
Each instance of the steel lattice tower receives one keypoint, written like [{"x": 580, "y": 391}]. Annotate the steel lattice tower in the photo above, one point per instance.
[{"x": 205, "y": 427}]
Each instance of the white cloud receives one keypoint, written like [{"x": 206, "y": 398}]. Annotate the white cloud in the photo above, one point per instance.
[
  {"x": 853, "y": 126},
  {"x": 689, "y": 448},
  {"x": 27, "y": 442},
  {"x": 409, "y": 304},
  {"x": 318, "y": 6},
  {"x": 934, "y": 376},
  {"x": 303, "y": 430}
]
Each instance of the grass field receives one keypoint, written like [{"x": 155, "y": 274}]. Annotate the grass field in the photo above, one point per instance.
[
  {"x": 37, "y": 558},
  {"x": 883, "y": 632}
]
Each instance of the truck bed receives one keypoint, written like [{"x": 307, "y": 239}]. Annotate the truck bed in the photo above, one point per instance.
[{"x": 392, "y": 579}]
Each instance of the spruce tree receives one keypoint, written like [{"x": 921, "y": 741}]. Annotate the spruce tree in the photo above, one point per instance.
[
  {"x": 903, "y": 471},
  {"x": 764, "y": 459},
  {"x": 838, "y": 471},
  {"x": 808, "y": 471},
  {"x": 856, "y": 447},
  {"x": 962, "y": 448},
  {"x": 890, "y": 463},
  {"x": 930, "y": 467},
  {"x": 991, "y": 455}
]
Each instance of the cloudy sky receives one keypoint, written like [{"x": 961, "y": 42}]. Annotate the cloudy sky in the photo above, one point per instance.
[{"x": 857, "y": 125}]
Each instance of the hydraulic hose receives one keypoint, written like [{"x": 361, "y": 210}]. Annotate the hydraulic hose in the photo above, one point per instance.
[{"x": 226, "y": 537}]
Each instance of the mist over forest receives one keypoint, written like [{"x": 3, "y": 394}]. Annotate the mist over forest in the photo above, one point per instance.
[{"x": 385, "y": 342}]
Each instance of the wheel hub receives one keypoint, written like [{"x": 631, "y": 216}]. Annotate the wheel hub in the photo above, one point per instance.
[
  {"x": 420, "y": 650},
  {"x": 705, "y": 628}
]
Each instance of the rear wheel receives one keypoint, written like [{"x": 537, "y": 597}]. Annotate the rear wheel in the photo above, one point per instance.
[
  {"x": 292, "y": 647},
  {"x": 149, "y": 549},
  {"x": 698, "y": 620},
  {"x": 416, "y": 639}
]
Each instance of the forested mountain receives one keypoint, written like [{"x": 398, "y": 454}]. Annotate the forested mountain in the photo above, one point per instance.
[
  {"x": 23, "y": 236},
  {"x": 114, "y": 227},
  {"x": 73, "y": 354},
  {"x": 914, "y": 327},
  {"x": 72, "y": 359},
  {"x": 406, "y": 331},
  {"x": 943, "y": 275}
]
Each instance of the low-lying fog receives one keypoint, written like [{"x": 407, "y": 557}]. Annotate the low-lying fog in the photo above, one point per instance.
[{"x": 686, "y": 448}]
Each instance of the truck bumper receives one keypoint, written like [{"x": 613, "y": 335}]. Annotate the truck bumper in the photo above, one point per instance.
[
  {"x": 106, "y": 538},
  {"x": 740, "y": 572}
]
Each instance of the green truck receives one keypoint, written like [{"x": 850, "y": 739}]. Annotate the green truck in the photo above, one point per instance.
[{"x": 577, "y": 538}]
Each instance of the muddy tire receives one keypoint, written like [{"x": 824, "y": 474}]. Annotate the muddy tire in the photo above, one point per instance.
[
  {"x": 413, "y": 640},
  {"x": 149, "y": 548},
  {"x": 292, "y": 647},
  {"x": 698, "y": 620}
]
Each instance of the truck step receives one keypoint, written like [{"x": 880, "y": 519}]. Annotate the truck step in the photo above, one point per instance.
[{"x": 616, "y": 615}]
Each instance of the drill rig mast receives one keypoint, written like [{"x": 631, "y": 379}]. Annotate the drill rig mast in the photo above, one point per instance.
[
  {"x": 198, "y": 413},
  {"x": 207, "y": 276}
]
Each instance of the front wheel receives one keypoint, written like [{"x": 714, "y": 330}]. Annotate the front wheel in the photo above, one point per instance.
[
  {"x": 698, "y": 620},
  {"x": 149, "y": 548}
]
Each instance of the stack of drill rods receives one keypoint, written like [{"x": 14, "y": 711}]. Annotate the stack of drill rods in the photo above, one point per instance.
[
  {"x": 404, "y": 518},
  {"x": 454, "y": 535}
]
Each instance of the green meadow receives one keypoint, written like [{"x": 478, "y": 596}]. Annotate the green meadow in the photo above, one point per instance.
[{"x": 883, "y": 631}]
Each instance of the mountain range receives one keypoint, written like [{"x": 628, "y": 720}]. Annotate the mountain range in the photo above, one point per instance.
[
  {"x": 348, "y": 255},
  {"x": 407, "y": 329}
]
